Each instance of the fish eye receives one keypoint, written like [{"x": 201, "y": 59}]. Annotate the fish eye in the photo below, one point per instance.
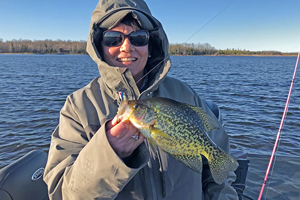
[{"x": 135, "y": 106}]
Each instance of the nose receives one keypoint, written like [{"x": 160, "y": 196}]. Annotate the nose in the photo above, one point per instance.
[{"x": 127, "y": 46}]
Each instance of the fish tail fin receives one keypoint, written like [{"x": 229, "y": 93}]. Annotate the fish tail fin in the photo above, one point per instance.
[{"x": 221, "y": 165}]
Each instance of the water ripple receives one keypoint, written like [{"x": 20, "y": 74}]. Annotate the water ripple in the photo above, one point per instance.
[{"x": 250, "y": 91}]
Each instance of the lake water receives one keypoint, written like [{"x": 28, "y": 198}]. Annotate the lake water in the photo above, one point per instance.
[{"x": 251, "y": 92}]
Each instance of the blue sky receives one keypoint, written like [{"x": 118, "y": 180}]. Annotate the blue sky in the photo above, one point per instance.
[{"x": 246, "y": 24}]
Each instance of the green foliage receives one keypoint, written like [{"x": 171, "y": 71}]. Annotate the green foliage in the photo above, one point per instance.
[
  {"x": 207, "y": 49},
  {"x": 191, "y": 49},
  {"x": 43, "y": 46},
  {"x": 79, "y": 47}
]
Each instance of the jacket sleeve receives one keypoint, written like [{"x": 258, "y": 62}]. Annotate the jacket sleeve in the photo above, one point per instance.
[
  {"x": 82, "y": 167},
  {"x": 212, "y": 190}
]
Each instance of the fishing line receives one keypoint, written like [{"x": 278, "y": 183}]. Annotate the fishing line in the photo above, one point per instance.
[
  {"x": 280, "y": 127},
  {"x": 210, "y": 21},
  {"x": 152, "y": 69},
  {"x": 188, "y": 39}
]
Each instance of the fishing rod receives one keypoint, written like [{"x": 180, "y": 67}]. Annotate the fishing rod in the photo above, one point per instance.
[{"x": 279, "y": 130}]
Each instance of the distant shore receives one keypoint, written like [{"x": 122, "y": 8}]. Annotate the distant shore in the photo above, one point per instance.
[
  {"x": 43, "y": 54},
  {"x": 285, "y": 55},
  {"x": 265, "y": 55},
  {"x": 79, "y": 48}
]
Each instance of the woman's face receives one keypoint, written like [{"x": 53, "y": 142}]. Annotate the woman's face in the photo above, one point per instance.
[{"x": 127, "y": 55}]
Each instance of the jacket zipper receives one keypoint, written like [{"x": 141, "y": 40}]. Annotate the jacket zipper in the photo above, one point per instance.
[
  {"x": 129, "y": 87},
  {"x": 163, "y": 174},
  {"x": 152, "y": 180},
  {"x": 154, "y": 197}
]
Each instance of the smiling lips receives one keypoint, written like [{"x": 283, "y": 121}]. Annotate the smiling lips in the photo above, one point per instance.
[{"x": 126, "y": 59}]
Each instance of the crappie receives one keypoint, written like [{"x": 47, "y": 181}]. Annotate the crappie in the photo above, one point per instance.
[{"x": 180, "y": 130}]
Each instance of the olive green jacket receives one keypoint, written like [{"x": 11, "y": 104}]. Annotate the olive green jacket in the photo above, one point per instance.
[{"x": 81, "y": 163}]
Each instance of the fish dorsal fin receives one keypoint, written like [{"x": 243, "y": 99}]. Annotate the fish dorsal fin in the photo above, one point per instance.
[{"x": 209, "y": 122}]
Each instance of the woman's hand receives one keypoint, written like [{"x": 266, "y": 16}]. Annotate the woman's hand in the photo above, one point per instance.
[{"x": 119, "y": 135}]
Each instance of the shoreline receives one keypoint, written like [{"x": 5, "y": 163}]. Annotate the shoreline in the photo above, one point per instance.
[
  {"x": 292, "y": 55},
  {"x": 41, "y": 54},
  {"x": 288, "y": 54}
]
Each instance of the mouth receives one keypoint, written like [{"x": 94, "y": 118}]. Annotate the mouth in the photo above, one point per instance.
[
  {"x": 123, "y": 111},
  {"x": 126, "y": 59}
]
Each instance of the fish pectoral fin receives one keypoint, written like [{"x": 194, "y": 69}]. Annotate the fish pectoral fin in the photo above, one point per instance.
[
  {"x": 152, "y": 145},
  {"x": 209, "y": 122},
  {"x": 155, "y": 133},
  {"x": 194, "y": 162}
]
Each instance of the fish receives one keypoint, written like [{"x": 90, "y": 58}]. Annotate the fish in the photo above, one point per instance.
[{"x": 180, "y": 130}]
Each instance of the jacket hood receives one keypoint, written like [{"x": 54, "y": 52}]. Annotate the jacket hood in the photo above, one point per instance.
[{"x": 105, "y": 16}]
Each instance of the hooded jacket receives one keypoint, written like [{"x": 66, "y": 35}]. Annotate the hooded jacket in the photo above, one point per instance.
[{"x": 81, "y": 163}]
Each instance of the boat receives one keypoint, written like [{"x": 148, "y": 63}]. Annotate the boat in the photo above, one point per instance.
[{"x": 23, "y": 179}]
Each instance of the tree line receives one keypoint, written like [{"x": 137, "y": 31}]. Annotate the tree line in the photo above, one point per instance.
[
  {"x": 79, "y": 47},
  {"x": 43, "y": 46},
  {"x": 207, "y": 49},
  {"x": 191, "y": 49}
]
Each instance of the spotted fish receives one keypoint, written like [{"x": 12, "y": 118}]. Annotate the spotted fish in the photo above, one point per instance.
[{"x": 181, "y": 131}]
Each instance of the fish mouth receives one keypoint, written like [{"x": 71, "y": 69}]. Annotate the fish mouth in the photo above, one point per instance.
[
  {"x": 123, "y": 111},
  {"x": 139, "y": 114}
]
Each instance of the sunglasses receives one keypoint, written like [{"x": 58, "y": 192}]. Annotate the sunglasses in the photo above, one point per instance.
[{"x": 115, "y": 38}]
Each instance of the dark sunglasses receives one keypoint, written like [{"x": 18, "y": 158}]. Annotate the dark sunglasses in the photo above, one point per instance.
[{"x": 115, "y": 38}]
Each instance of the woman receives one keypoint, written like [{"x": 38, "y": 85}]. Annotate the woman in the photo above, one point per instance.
[{"x": 94, "y": 157}]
